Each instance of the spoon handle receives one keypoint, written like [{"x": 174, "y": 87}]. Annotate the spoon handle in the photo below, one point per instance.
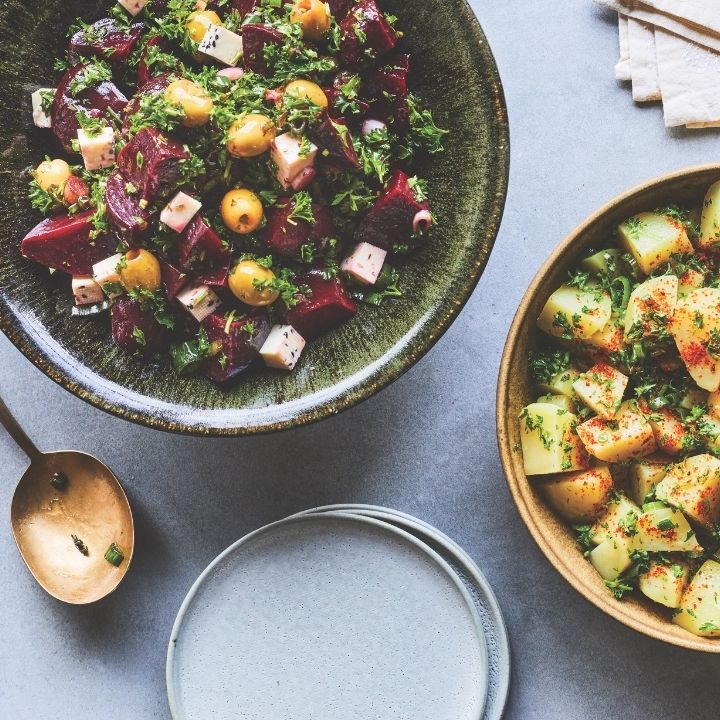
[{"x": 16, "y": 432}]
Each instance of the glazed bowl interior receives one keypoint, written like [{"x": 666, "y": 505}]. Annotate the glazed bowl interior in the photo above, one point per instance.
[
  {"x": 515, "y": 390},
  {"x": 457, "y": 78}
]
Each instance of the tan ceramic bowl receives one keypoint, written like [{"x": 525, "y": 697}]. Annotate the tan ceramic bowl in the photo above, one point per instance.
[{"x": 553, "y": 536}]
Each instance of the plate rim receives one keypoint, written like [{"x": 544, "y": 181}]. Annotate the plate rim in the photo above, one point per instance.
[
  {"x": 172, "y": 690},
  {"x": 73, "y": 375},
  {"x": 476, "y": 575}
]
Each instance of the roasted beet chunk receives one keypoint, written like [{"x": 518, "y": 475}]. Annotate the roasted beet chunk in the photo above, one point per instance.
[
  {"x": 240, "y": 341},
  {"x": 201, "y": 247},
  {"x": 340, "y": 8},
  {"x": 244, "y": 7},
  {"x": 173, "y": 279},
  {"x": 255, "y": 39},
  {"x": 366, "y": 35},
  {"x": 64, "y": 243},
  {"x": 285, "y": 234},
  {"x": 106, "y": 40},
  {"x": 389, "y": 222},
  {"x": 334, "y": 138},
  {"x": 327, "y": 306},
  {"x": 386, "y": 89},
  {"x": 135, "y": 329},
  {"x": 96, "y": 101},
  {"x": 128, "y": 219},
  {"x": 153, "y": 86},
  {"x": 151, "y": 162}
]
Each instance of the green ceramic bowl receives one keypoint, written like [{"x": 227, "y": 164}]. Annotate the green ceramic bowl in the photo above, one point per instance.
[{"x": 454, "y": 71}]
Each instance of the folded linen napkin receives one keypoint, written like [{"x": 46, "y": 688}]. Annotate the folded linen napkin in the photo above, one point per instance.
[
  {"x": 623, "y": 71},
  {"x": 689, "y": 80},
  {"x": 643, "y": 62},
  {"x": 675, "y": 23}
]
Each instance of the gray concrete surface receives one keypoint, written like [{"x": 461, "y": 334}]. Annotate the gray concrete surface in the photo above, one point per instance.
[{"x": 426, "y": 445}]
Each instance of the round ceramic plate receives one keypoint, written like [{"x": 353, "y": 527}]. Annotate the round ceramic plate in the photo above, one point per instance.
[
  {"x": 453, "y": 71},
  {"x": 328, "y": 616},
  {"x": 484, "y": 598}
]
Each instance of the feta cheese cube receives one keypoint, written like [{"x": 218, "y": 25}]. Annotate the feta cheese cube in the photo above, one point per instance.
[
  {"x": 133, "y": 6},
  {"x": 199, "y": 300},
  {"x": 86, "y": 290},
  {"x": 283, "y": 347},
  {"x": 291, "y": 157},
  {"x": 180, "y": 211},
  {"x": 40, "y": 117},
  {"x": 222, "y": 44},
  {"x": 364, "y": 263},
  {"x": 105, "y": 273},
  {"x": 98, "y": 151}
]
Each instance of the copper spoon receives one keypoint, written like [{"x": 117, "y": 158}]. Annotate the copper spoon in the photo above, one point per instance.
[{"x": 51, "y": 525}]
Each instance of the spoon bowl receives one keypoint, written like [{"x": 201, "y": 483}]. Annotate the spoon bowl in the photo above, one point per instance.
[{"x": 63, "y": 531}]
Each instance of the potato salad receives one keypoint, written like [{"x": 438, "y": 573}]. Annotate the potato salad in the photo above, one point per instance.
[{"x": 623, "y": 441}]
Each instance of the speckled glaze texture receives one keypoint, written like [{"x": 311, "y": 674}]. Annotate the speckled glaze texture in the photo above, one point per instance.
[
  {"x": 553, "y": 536},
  {"x": 454, "y": 72}
]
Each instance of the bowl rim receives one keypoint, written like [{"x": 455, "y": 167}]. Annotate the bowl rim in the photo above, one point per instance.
[
  {"x": 107, "y": 396},
  {"x": 519, "y": 484}
]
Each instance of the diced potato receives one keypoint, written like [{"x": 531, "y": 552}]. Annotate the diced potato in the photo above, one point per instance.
[
  {"x": 651, "y": 306},
  {"x": 690, "y": 280},
  {"x": 601, "y": 388},
  {"x": 696, "y": 329},
  {"x": 618, "y": 520},
  {"x": 653, "y": 239},
  {"x": 693, "y": 486},
  {"x": 609, "y": 340},
  {"x": 645, "y": 474},
  {"x": 581, "y": 496},
  {"x": 710, "y": 219},
  {"x": 549, "y": 441},
  {"x": 700, "y": 605},
  {"x": 664, "y": 529},
  {"x": 562, "y": 401},
  {"x": 561, "y": 383},
  {"x": 693, "y": 398},
  {"x": 629, "y": 436},
  {"x": 572, "y": 313},
  {"x": 612, "y": 557},
  {"x": 665, "y": 584},
  {"x": 670, "y": 434},
  {"x": 713, "y": 404}
]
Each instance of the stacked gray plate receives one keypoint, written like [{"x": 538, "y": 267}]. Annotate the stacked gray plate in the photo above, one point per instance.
[{"x": 347, "y": 612}]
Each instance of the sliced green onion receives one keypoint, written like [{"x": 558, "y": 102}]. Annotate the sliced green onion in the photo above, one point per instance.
[
  {"x": 655, "y": 505},
  {"x": 622, "y": 280},
  {"x": 114, "y": 555},
  {"x": 59, "y": 480},
  {"x": 79, "y": 544}
]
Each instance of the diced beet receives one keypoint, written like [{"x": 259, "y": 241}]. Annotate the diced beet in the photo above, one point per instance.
[
  {"x": 244, "y": 7},
  {"x": 136, "y": 330},
  {"x": 333, "y": 136},
  {"x": 64, "y": 243},
  {"x": 153, "y": 86},
  {"x": 390, "y": 220},
  {"x": 255, "y": 38},
  {"x": 285, "y": 235},
  {"x": 151, "y": 161},
  {"x": 327, "y": 307},
  {"x": 215, "y": 276},
  {"x": 173, "y": 279},
  {"x": 75, "y": 189},
  {"x": 335, "y": 109},
  {"x": 145, "y": 72},
  {"x": 340, "y": 8},
  {"x": 96, "y": 101},
  {"x": 239, "y": 348},
  {"x": 129, "y": 221},
  {"x": 386, "y": 89},
  {"x": 366, "y": 35},
  {"x": 200, "y": 247},
  {"x": 107, "y": 40}
]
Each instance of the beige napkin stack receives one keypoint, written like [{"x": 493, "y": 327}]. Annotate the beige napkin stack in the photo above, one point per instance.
[{"x": 670, "y": 51}]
